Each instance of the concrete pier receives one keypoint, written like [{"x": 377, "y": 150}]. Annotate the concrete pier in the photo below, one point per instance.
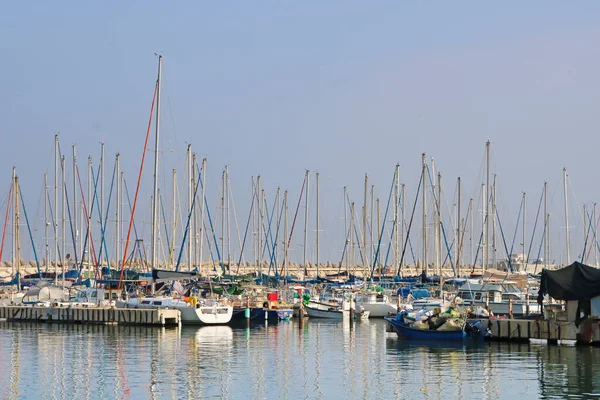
[{"x": 91, "y": 315}]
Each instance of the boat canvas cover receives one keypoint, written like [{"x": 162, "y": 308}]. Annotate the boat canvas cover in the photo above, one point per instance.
[
  {"x": 574, "y": 282},
  {"x": 161, "y": 275}
]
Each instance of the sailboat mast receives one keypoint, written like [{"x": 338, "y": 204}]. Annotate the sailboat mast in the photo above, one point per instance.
[
  {"x": 47, "y": 249},
  {"x": 155, "y": 197},
  {"x": 546, "y": 233},
  {"x": 372, "y": 206},
  {"x": 76, "y": 230},
  {"x": 396, "y": 215},
  {"x": 525, "y": 257},
  {"x": 317, "y": 223},
  {"x": 101, "y": 205},
  {"x": 458, "y": 241},
  {"x": 494, "y": 222},
  {"x": 194, "y": 220},
  {"x": 223, "y": 194},
  {"x": 568, "y": 239},
  {"x": 285, "y": 233},
  {"x": 63, "y": 222},
  {"x": 173, "y": 218},
  {"x": 18, "y": 230},
  {"x": 346, "y": 235},
  {"x": 483, "y": 230},
  {"x": 424, "y": 184},
  {"x": 226, "y": 190},
  {"x": 190, "y": 181},
  {"x": 118, "y": 211},
  {"x": 55, "y": 223},
  {"x": 306, "y": 217},
  {"x": 364, "y": 215},
  {"x": 487, "y": 202},
  {"x": 89, "y": 217},
  {"x": 402, "y": 225},
  {"x": 202, "y": 210}
]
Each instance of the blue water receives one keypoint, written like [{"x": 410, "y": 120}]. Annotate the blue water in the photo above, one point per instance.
[{"x": 318, "y": 360}]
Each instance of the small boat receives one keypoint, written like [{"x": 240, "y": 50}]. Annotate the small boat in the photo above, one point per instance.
[
  {"x": 318, "y": 310},
  {"x": 361, "y": 315},
  {"x": 470, "y": 331}
]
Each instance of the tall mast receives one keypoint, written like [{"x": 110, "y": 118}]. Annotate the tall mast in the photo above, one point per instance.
[
  {"x": 487, "y": 201},
  {"x": 202, "y": 210},
  {"x": 372, "y": 206},
  {"x": 55, "y": 223},
  {"x": 317, "y": 221},
  {"x": 223, "y": 194},
  {"x": 259, "y": 210},
  {"x": 396, "y": 215},
  {"x": 424, "y": 184},
  {"x": 436, "y": 219},
  {"x": 494, "y": 217},
  {"x": 63, "y": 222},
  {"x": 155, "y": 197},
  {"x": 568, "y": 239},
  {"x": 439, "y": 225},
  {"x": 46, "y": 223},
  {"x": 89, "y": 217},
  {"x": 263, "y": 198},
  {"x": 546, "y": 233},
  {"x": 471, "y": 227},
  {"x": 378, "y": 230},
  {"x": 101, "y": 205},
  {"x": 483, "y": 226},
  {"x": 595, "y": 237},
  {"x": 226, "y": 190},
  {"x": 402, "y": 225},
  {"x": 174, "y": 218},
  {"x": 194, "y": 221},
  {"x": 352, "y": 258},
  {"x": 118, "y": 211},
  {"x": 276, "y": 241},
  {"x": 16, "y": 262},
  {"x": 365, "y": 258},
  {"x": 306, "y": 216},
  {"x": 346, "y": 234},
  {"x": 285, "y": 233},
  {"x": 458, "y": 241},
  {"x": 18, "y": 230},
  {"x": 525, "y": 257},
  {"x": 75, "y": 198}
]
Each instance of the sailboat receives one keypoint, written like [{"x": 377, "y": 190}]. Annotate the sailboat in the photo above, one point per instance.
[{"x": 193, "y": 310}]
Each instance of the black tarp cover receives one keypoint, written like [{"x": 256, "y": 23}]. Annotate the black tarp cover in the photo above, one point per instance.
[{"x": 573, "y": 282}]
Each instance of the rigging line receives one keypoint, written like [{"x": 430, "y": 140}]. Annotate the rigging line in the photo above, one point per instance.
[
  {"x": 504, "y": 241},
  {"x": 537, "y": 261},
  {"x": 287, "y": 246},
  {"x": 268, "y": 234},
  {"x": 37, "y": 263},
  {"x": 246, "y": 232},
  {"x": 237, "y": 227},
  {"x": 8, "y": 201},
  {"x": 274, "y": 251},
  {"x": 88, "y": 236},
  {"x": 409, "y": 226},
  {"x": 392, "y": 235},
  {"x": 187, "y": 225},
  {"x": 516, "y": 230},
  {"x": 436, "y": 202},
  {"x": 587, "y": 234},
  {"x": 162, "y": 207},
  {"x": 534, "y": 227},
  {"x": 138, "y": 187},
  {"x": 387, "y": 208},
  {"x": 68, "y": 207},
  {"x": 212, "y": 228},
  {"x": 135, "y": 232},
  {"x": 103, "y": 225},
  {"x": 357, "y": 236},
  {"x": 52, "y": 219}
]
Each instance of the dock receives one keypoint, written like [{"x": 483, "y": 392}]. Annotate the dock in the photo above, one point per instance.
[{"x": 91, "y": 315}]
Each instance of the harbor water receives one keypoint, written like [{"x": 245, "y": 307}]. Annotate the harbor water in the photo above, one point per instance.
[{"x": 289, "y": 360}]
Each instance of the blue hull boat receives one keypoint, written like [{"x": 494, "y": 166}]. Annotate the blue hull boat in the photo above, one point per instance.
[{"x": 472, "y": 331}]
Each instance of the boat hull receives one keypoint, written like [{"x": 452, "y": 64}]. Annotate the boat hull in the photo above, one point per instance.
[
  {"x": 405, "y": 331},
  {"x": 329, "y": 314},
  {"x": 379, "y": 310}
]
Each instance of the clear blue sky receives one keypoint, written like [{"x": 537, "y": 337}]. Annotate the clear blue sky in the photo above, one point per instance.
[{"x": 274, "y": 88}]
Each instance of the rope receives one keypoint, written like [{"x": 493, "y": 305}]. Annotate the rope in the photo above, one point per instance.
[
  {"x": 37, "y": 263},
  {"x": 137, "y": 190},
  {"x": 6, "y": 218}
]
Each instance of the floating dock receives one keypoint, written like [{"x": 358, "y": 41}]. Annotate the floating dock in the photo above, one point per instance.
[{"x": 91, "y": 315}]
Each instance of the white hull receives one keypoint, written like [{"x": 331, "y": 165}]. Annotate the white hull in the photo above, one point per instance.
[
  {"x": 205, "y": 313},
  {"x": 378, "y": 310},
  {"x": 330, "y": 314}
]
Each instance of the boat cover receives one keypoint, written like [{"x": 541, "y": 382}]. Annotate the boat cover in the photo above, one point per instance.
[{"x": 573, "y": 282}]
